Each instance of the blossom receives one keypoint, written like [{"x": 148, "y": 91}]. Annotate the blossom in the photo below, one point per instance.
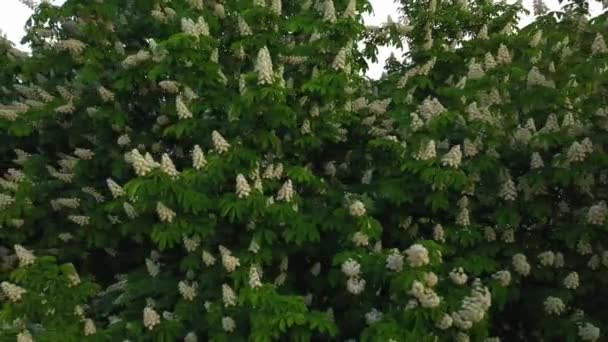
[
  {"x": 12, "y": 291},
  {"x": 329, "y": 11},
  {"x": 219, "y": 143},
  {"x": 89, "y": 327},
  {"x": 340, "y": 60},
  {"x": 187, "y": 291},
  {"x": 357, "y": 208},
  {"x": 243, "y": 27},
  {"x": 152, "y": 267},
  {"x": 427, "y": 152},
  {"x": 355, "y": 285},
  {"x": 254, "y": 277},
  {"x": 208, "y": 258},
  {"x": 536, "y": 161},
  {"x": 453, "y": 158},
  {"x": 115, "y": 189},
  {"x": 417, "y": 255},
  {"x": 286, "y": 192},
  {"x": 547, "y": 258},
  {"x": 230, "y": 262},
  {"x": 571, "y": 281},
  {"x": 588, "y": 332},
  {"x": 228, "y": 324},
  {"x": 182, "y": 110},
  {"x": 394, "y": 261},
  {"x": 373, "y": 316},
  {"x": 458, "y": 276},
  {"x": 520, "y": 264},
  {"x": 25, "y": 256},
  {"x": 150, "y": 318},
  {"x": 596, "y": 214},
  {"x": 445, "y": 322},
  {"x": 263, "y": 66},
  {"x": 195, "y": 29},
  {"x": 554, "y": 306},
  {"x": 351, "y": 268},
  {"x": 167, "y": 166},
  {"x": 242, "y": 187},
  {"x": 25, "y": 336},
  {"x": 228, "y": 296},
  {"x": 191, "y": 337},
  {"x": 164, "y": 213},
  {"x": 198, "y": 158},
  {"x": 351, "y": 10},
  {"x": 504, "y": 277},
  {"x": 508, "y": 191},
  {"x": 599, "y": 45}
]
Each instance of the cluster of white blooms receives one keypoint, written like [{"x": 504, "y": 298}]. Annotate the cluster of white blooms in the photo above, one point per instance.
[
  {"x": 129, "y": 210},
  {"x": 196, "y": 29},
  {"x": 25, "y": 256},
  {"x": 417, "y": 255},
  {"x": 208, "y": 258},
  {"x": 504, "y": 277},
  {"x": 242, "y": 186},
  {"x": 427, "y": 151},
  {"x": 228, "y": 296},
  {"x": 539, "y": 7},
  {"x": 89, "y": 327},
  {"x": 169, "y": 86},
  {"x": 583, "y": 247},
  {"x": 577, "y": 152},
  {"x": 263, "y": 67},
  {"x": 105, "y": 94},
  {"x": 198, "y": 158},
  {"x": 425, "y": 295},
  {"x": 136, "y": 59},
  {"x": 394, "y": 261},
  {"x": 599, "y": 45},
  {"x": 191, "y": 337},
  {"x": 351, "y": 10},
  {"x": 351, "y": 268},
  {"x": 191, "y": 244},
  {"x": 84, "y": 154},
  {"x": 229, "y": 261},
  {"x": 554, "y": 305},
  {"x": 12, "y": 291},
  {"x": 474, "y": 307},
  {"x": 59, "y": 203},
  {"x": 340, "y": 60},
  {"x": 164, "y": 213},
  {"x": 25, "y": 336},
  {"x": 142, "y": 165},
  {"x": 536, "y": 162},
  {"x": 508, "y": 191},
  {"x": 475, "y": 71},
  {"x": 520, "y": 264},
  {"x": 445, "y": 322},
  {"x": 360, "y": 239},
  {"x": 187, "y": 291},
  {"x": 150, "y": 318},
  {"x": 329, "y": 11},
  {"x": 115, "y": 189},
  {"x": 453, "y": 158},
  {"x": 430, "y": 108},
  {"x": 6, "y": 200},
  {"x": 167, "y": 166},
  {"x": 536, "y": 78},
  {"x": 597, "y": 213},
  {"x": 588, "y": 332},
  {"x": 152, "y": 267},
  {"x": 458, "y": 276},
  {"x": 123, "y": 140},
  {"x": 182, "y": 110},
  {"x": 92, "y": 192},
  {"x": 374, "y": 316},
  {"x": 255, "y": 275},
  {"x": 286, "y": 192},
  {"x": 357, "y": 209},
  {"x": 228, "y": 324},
  {"x": 571, "y": 281},
  {"x": 355, "y": 285},
  {"x": 219, "y": 143},
  {"x": 547, "y": 258},
  {"x": 74, "y": 46}
]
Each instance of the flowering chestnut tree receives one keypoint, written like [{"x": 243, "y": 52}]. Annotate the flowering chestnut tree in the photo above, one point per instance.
[{"x": 222, "y": 171}]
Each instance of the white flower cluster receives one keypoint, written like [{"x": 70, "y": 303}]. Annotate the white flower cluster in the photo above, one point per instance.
[
  {"x": 571, "y": 281},
  {"x": 427, "y": 297},
  {"x": 198, "y": 158},
  {"x": 520, "y": 264},
  {"x": 182, "y": 110},
  {"x": 417, "y": 255},
  {"x": 588, "y": 332},
  {"x": 286, "y": 192},
  {"x": 228, "y": 296},
  {"x": 254, "y": 277},
  {"x": 597, "y": 213},
  {"x": 554, "y": 306},
  {"x": 196, "y": 29},
  {"x": 352, "y": 269},
  {"x": 357, "y": 209},
  {"x": 142, "y": 165},
  {"x": 473, "y": 308},
  {"x": 164, "y": 213},
  {"x": 453, "y": 158},
  {"x": 508, "y": 191},
  {"x": 12, "y": 291},
  {"x": 228, "y": 324},
  {"x": 458, "y": 276},
  {"x": 263, "y": 66},
  {"x": 229, "y": 261},
  {"x": 188, "y": 291},
  {"x": 25, "y": 256},
  {"x": 167, "y": 166},
  {"x": 394, "y": 261},
  {"x": 430, "y": 108},
  {"x": 219, "y": 143},
  {"x": 427, "y": 151},
  {"x": 150, "y": 318}
]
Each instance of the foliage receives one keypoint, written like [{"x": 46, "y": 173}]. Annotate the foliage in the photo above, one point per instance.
[{"x": 222, "y": 171}]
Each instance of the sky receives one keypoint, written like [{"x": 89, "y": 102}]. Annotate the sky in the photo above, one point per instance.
[{"x": 13, "y": 15}]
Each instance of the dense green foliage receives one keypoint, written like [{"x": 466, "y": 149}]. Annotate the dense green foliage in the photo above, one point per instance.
[{"x": 223, "y": 171}]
